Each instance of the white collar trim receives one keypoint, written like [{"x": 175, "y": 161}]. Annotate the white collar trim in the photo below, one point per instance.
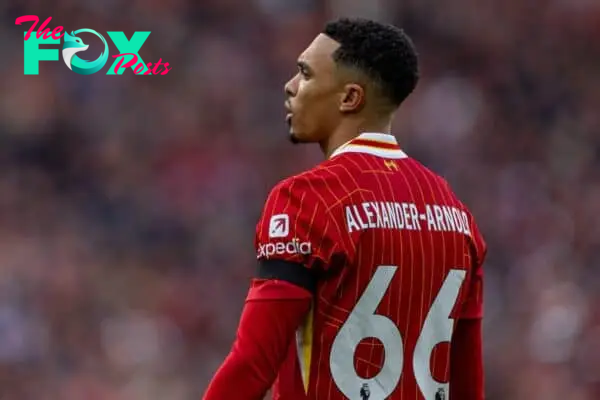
[{"x": 349, "y": 147}]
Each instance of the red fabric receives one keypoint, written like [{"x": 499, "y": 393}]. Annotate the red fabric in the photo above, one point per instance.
[
  {"x": 352, "y": 216},
  {"x": 466, "y": 365},
  {"x": 273, "y": 312}
]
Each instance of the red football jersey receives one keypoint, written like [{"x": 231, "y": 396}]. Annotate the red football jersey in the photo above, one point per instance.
[{"x": 400, "y": 259}]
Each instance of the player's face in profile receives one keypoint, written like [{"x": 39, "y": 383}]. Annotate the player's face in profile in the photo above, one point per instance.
[{"x": 312, "y": 94}]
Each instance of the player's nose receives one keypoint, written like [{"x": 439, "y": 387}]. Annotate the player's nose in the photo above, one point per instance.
[{"x": 290, "y": 87}]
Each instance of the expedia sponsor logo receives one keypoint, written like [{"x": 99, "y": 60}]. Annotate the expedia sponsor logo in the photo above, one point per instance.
[
  {"x": 268, "y": 250},
  {"x": 279, "y": 226}
]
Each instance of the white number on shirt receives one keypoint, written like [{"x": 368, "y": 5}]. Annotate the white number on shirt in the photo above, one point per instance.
[{"x": 363, "y": 323}]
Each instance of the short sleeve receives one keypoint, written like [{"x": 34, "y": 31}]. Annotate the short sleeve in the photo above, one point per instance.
[
  {"x": 473, "y": 305},
  {"x": 295, "y": 226}
]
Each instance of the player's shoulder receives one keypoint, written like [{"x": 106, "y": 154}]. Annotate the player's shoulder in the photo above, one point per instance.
[
  {"x": 447, "y": 190},
  {"x": 422, "y": 172},
  {"x": 322, "y": 181},
  {"x": 436, "y": 181},
  {"x": 475, "y": 234}
]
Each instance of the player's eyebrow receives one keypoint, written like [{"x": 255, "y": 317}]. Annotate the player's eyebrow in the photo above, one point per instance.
[{"x": 303, "y": 66}]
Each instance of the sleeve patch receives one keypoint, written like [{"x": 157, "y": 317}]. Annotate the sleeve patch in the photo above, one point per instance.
[{"x": 279, "y": 226}]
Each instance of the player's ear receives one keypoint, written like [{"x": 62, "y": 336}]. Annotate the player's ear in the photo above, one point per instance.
[{"x": 352, "y": 98}]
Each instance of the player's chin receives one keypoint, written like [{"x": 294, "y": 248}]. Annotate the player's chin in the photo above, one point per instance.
[
  {"x": 298, "y": 134},
  {"x": 295, "y": 136}
]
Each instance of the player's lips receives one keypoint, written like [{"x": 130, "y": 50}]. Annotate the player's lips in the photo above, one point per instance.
[{"x": 288, "y": 108}]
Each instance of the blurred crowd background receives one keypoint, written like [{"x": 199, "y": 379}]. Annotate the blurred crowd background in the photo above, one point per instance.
[{"x": 128, "y": 204}]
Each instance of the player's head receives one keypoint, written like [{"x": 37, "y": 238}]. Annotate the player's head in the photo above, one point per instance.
[{"x": 355, "y": 68}]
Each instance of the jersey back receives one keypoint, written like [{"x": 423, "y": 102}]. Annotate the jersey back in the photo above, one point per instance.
[{"x": 399, "y": 259}]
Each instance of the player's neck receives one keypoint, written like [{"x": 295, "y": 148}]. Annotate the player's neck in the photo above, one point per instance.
[{"x": 348, "y": 130}]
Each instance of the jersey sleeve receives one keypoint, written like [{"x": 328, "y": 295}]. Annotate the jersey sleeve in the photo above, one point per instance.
[
  {"x": 295, "y": 226},
  {"x": 473, "y": 306}
]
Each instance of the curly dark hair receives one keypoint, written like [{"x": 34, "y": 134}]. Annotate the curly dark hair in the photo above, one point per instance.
[{"x": 384, "y": 53}]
